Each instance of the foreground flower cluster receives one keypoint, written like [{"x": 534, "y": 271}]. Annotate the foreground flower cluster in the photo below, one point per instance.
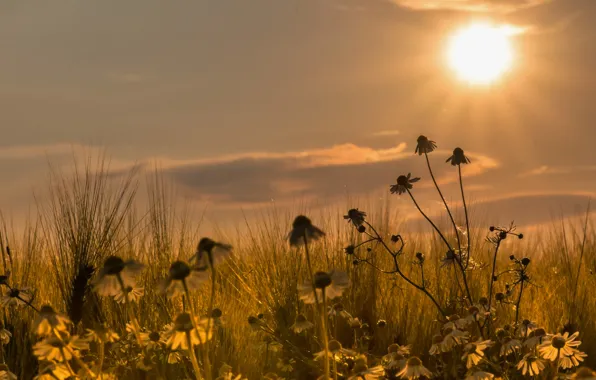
[{"x": 481, "y": 332}]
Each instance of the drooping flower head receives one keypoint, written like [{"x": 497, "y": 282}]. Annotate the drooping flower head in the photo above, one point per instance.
[
  {"x": 303, "y": 229},
  {"x": 181, "y": 277},
  {"x": 332, "y": 284},
  {"x": 424, "y": 145},
  {"x": 404, "y": 183},
  {"x": 49, "y": 320},
  {"x": 59, "y": 349},
  {"x": 184, "y": 335},
  {"x": 210, "y": 254},
  {"x": 16, "y": 297},
  {"x": 531, "y": 365},
  {"x": 458, "y": 157},
  {"x": 301, "y": 324},
  {"x": 414, "y": 369},
  {"x": 355, "y": 216},
  {"x": 116, "y": 275}
]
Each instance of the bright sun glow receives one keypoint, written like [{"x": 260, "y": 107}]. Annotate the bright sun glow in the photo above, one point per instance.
[{"x": 481, "y": 53}]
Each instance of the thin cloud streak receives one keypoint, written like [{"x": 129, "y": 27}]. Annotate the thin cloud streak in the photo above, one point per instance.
[{"x": 502, "y": 6}]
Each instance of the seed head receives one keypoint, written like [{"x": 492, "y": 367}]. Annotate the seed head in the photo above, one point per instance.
[
  {"x": 361, "y": 229},
  {"x": 483, "y": 301},
  {"x": 322, "y": 280},
  {"x": 525, "y": 261},
  {"x": 334, "y": 346},
  {"x": 499, "y": 296},
  {"x": 381, "y": 323},
  {"x": 393, "y": 348},
  {"x": 414, "y": 362},
  {"x": 154, "y": 336},
  {"x": 179, "y": 270}
]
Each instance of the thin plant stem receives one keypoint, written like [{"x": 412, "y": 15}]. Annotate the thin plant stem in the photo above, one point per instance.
[
  {"x": 463, "y": 198},
  {"x": 129, "y": 311},
  {"x": 324, "y": 334},
  {"x": 334, "y": 367},
  {"x": 444, "y": 202},
  {"x": 518, "y": 304},
  {"x": 193, "y": 317},
  {"x": 490, "y": 287},
  {"x": 556, "y": 372},
  {"x": 73, "y": 354},
  {"x": 193, "y": 357},
  {"x": 101, "y": 358},
  {"x": 581, "y": 259},
  {"x": 430, "y": 221},
  {"x": 310, "y": 273}
]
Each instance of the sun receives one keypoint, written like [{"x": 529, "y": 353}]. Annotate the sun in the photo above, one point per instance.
[{"x": 481, "y": 53}]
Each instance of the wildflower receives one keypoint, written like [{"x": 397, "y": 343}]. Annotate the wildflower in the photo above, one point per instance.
[
  {"x": 572, "y": 360},
  {"x": 350, "y": 249},
  {"x": 414, "y": 369},
  {"x": 115, "y": 275},
  {"x": 332, "y": 284},
  {"x": 53, "y": 371},
  {"x": 134, "y": 294},
  {"x": 210, "y": 254},
  {"x": 59, "y": 348},
  {"x": 424, "y": 145},
  {"x": 450, "y": 258},
  {"x": 381, "y": 323},
  {"x": 5, "y": 373},
  {"x": 436, "y": 347},
  {"x": 559, "y": 346},
  {"x": 479, "y": 375},
  {"x": 185, "y": 335},
  {"x": 153, "y": 340},
  {"x": 102, "y": 334},
  {"x": 404, "y": 184},
  {"x": 531, "y": 365},
  {"x": 527, "y": 327},
  {"x": 455, "y": 322},
  {"x": 182, "y": 278},
  {"x": 396, "y": 348},
  {"x": 255, "y": 323},
  {"x": 361, "y": 370},
  {"x": 302, "y": 229},
  {"x": 535, "y": 338},
  {"x": 393, "y": 362},
  {"x": 474, "y": 352},
  {"x": 301, "y": 324},
  {"x": 284, "y": 365},
  {"x": 338, "y": 310},
  {"x": 174, "y": 357},
  {"x": 458, "y": 157},
  {"x": 509, "y": 346},
  {"x": 48, "y": 320},
  {"x": 356, "y": 217},
  {"x": 452, "y": 338},
  {"x": 16, "y": 297},
  {"x": 355, "y": 323}
]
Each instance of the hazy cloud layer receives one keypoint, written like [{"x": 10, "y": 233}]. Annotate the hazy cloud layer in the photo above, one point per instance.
[
  {"x": 470, "y": 5},
  {"x": 326, "y": 173}
]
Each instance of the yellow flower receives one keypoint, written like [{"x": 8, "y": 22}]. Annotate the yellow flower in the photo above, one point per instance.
[
  {"x": 53, "y": 371},
  {"x": 48, "y": 320},
  {"x": 115, "y": 275},
  {"x": 559, "y": 346},
  {"x": 59, "y": 349},
  {"x": 414, "y": 369},
  {"x": 530, "y": 365},
  {"x": 102, "y": 334},
  {"x": 474, "y": 352},
  {"x": 5, "y": 373},
  {"x": 185, "y": 335}
]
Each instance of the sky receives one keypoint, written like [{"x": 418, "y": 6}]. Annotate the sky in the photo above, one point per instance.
[{"x": 242, "y": 104}]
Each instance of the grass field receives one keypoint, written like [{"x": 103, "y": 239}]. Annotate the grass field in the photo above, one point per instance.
[{"x": 256, "y": 292}]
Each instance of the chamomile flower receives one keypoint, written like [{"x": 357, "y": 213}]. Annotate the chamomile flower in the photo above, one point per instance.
[
  {"x": 396, "y": 348},
  {"x": 303, "y": 229},
  {"x": 134, "y": 294},
  {"x": 535, "y": 338},
  {"x": 185, "y": 335},
  {"x": 355, "y": 216},
  {"x": 59, "y": 349},
  {"x": 404, "y": 183},
  {"x": 16, "y": 297},
  {"x": 456, "y": 322},
  {"x": 531, "y": 365},
  {"x": 573, "y": 360},
  {"x": 393, "y": 362},
  {"x": 210, "y": 254},
  {"x": 436, "y": 348},
  {"x": 53, "y": 371},
  {"x": 510, "y": 345},
  {"x": 102, "y": 334},
  {"x": 49, "y": 320},
  {"x": 362, "y": 371},
  {"x": 458, "y": 157},
  {"x": 424, "y": 145},
  {"x": 527, "y": 326},
  {"x": 181, "y": 278},
  {"x": 301, "y": 324},
  {"x": 332, "y": 284},
  {"x": 559, "y": 346},
  {"x": 453, "y": 337},
  {"x": 474, "y": 352},
  {"x": 338, "y": 310},
  {"x": 414, "y": 369},
  {"x": 115, "y": 275}
]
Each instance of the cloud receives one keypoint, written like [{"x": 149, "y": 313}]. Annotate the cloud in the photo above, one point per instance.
[
  {"x": 503, "y": 6},
  {"x": 389, "y": 132},
  {"x": 257, "y": 178},
  {"x": 553, "y": 170}
]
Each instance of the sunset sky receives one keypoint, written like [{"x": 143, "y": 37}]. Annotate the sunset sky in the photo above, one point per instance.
[{"x": 242, "y": 102}]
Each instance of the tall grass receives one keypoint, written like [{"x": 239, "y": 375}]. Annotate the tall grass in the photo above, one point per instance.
[{"x": 89, "y": 215}]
